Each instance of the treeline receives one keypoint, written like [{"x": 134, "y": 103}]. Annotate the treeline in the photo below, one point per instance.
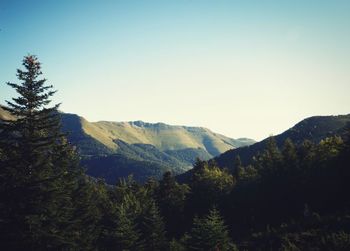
[{"x": 294, "y": 198}]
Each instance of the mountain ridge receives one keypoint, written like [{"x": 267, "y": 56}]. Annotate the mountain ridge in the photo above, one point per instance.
[
  {"x": 161, "y": 135},
  {"x": 112, "y": 150},
  {"x": 313, "y": 128}
]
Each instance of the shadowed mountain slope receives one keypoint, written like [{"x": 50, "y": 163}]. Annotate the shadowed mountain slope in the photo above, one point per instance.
[{"x": 314, "y": 129}]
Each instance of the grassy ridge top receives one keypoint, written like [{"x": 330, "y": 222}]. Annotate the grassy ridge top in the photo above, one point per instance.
[
  {"x": 160, "y": 135},
  {"x": 164, "y": 137}
]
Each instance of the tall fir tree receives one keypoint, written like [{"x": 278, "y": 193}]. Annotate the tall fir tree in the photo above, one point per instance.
[
  {"x": 153, "y": 228},
  {"x": 36, "y": 168},
  {"x": 128, "y": 236},
  {"x": 239, "y": 169},
  {"x": 270, "y": 161}
]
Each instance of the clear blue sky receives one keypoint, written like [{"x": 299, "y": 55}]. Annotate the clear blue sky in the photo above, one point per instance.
[{"x": 241, "y": 68}]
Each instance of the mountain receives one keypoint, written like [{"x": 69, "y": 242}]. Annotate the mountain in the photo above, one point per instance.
[
  {"x": 314, "y": 129},
  {"x": 116, "y": 149},
  {"x": 164, "y": 137},
  {"x": 111, "y": 150}
]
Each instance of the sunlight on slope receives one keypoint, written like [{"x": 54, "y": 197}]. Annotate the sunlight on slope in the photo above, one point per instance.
[
  {"x": 160, "y": 135},
  {"x": 100, "y": 135},
  {"x": 164, "y": 137}
]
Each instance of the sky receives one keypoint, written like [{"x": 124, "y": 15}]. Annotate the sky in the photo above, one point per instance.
[{"x": 241, "y": 68}]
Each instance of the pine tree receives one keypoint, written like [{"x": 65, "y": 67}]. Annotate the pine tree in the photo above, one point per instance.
[
  {"x": 209, "y": 187},
  {"x": 270, "y": 161},
  {"x": 307, "y": 154},
  {"x": 289, "y": 152},
  {"x": 239, "y": 170},
  {"x": 198, "y": 169},
  {"x": 35, "y": 207},
  {"x": 153, "y": 228},
  {"x": 209, "y": 233},
  {"x": 89, "y": 208},
  {"x": 128, "y": 236},
  {"x": 290, "y": 157},
  {"x": 171, "y": 198}
]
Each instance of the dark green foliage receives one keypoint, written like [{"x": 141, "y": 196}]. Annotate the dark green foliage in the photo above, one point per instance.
[
  {"x": 209, "y": 233},
  {"x": 176, "y": 245},
  {"x": 132, "y": 220},
  {"x": 153, "y": 228},
  {"x": 90, "y": 204},
  {"x": 189, "y": 155},
  {"x": 290, "y": 157},
  {"x": 171, "y": 198},
  {"x": 293, "y": 187},
  {"x": 126, "y": 233},
  {"x": 316, "y": 233},
  {"x": 313, "y": 129},
  {"x": 141, "y": 160},
  {"x": 116, "y": 166},
  {"x": 238, "y": 171},
  {"x": 210, "y": 186},
  {"x": 270, "y": 161}
]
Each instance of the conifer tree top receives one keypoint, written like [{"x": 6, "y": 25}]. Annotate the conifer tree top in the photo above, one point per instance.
[{"x": 33, "y": 93}]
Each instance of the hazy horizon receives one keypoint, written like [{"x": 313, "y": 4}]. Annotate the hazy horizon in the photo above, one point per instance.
[{"x": 241, "y": 69}]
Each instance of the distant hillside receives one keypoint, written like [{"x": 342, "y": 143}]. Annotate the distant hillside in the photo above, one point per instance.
[
  {"x": 112, "y": 150},
  {"x": 112, "y": 159},
  {"x": 314, "y": 129},
  {"x": 160, "y": 135},
  {"x": 164, "y": 137},
  {"x": 86, "y": 144},
  {"x": 116, "y": 149}
]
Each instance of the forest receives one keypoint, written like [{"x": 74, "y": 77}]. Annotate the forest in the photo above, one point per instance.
[{"x": 294, "y": 197}]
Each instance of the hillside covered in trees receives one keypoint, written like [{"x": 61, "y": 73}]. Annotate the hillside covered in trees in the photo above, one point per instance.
[
  {"x": 313, "y": 129},
  {"x": 292, "y": 196}
]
